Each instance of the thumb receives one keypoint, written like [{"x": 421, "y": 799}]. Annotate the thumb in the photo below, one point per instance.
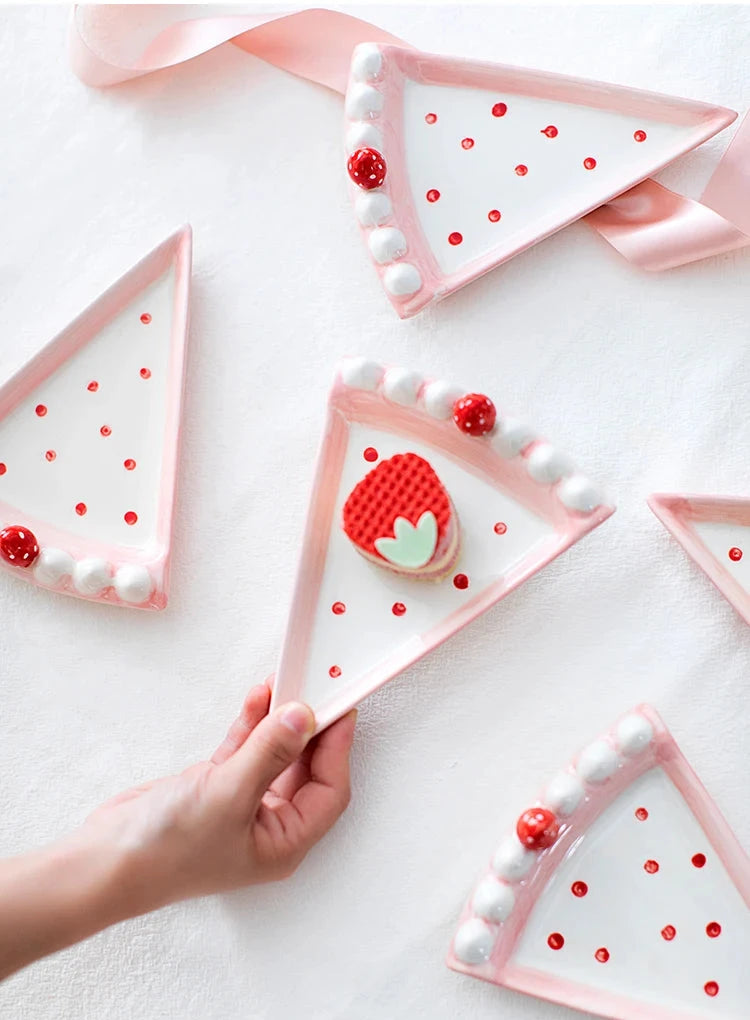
[{"x": 276, "y": 742}]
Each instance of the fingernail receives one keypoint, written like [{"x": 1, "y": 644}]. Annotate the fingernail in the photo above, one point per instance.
[{"x": 298, "y": 718}]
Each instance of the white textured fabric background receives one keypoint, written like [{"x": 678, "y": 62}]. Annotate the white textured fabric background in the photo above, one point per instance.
[{"x": 643, "y": 379}]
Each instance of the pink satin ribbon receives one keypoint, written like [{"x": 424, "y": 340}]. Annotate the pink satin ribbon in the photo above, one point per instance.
[{"x": 651, "y": 226}]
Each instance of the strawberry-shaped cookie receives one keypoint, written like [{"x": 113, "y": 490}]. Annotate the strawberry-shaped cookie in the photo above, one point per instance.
[{"x": 400, "y": 517}]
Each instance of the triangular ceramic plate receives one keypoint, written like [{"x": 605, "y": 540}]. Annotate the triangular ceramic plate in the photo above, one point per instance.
[
  {"x": 634, "y": 906},
  {"x": 483, "y": 160},
  {"x": 715, "y": 532},
  {"x": 89, "y": 434},
  {"x": 355, "y": 623}
]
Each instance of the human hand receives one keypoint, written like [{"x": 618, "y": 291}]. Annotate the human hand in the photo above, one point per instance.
[{"x": 248, "y": 815}]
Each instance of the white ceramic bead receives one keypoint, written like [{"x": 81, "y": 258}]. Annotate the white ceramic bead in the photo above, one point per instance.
[
  {"x": 363, "y": 135},
  {"x": 402, "y": 279},
  {"x": 133, "y": 584},
  {"x": 512, "y": 861},
  {"x": 473, "y": 942},
  {"x": 578, "y": 493},
  {"x": 367, "y": 62},
  {"x": 493, "y": 900},
  {"x": 511, "y": 437},
  {"x": 361, "y": 373},
  {"x": 386, "y": 244},
  {"x": 634, "y": 734},
  {"x": 53, "y": 566},
  {"x": 363, "y": 102},
  {"x": 546, "y": 464},
  {"x": 597, "y": 762},
  {"x": 439, "y": 398},
  {"x": 563, "y": 795},
  {"x": 92, "y": 576},
  {"x": 372, "y": 208},
  {"x": 402, "y": 386}
]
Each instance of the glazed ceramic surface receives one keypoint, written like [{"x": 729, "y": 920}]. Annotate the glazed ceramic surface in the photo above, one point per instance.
[
  {"x": 482, "y": 161},
  {"x": 715, "y": 532},
  {"x": 354, "y": 625},
  {"x": 637, "y": 908},
  {"x": 88, "y": 439}
]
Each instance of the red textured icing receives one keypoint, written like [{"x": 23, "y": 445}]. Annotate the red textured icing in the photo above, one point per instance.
[
  {"x": 711, "y": 988},
  {"x": 334, "y": 671},
  {"x": 602, "y": 955},
  {"x": 40, "y": 410},
  {"x": 537, "y": 828},
  {"x": 651, "y": 867},
  {"x": 699, "y": 860},
  {"x": 3, "y": 468},
  {"x": 499, "y": 110},
  {"x": 81, "y": 509},
  {"x": 131, "y": 517},
  {"x": 18, "y": 546},
  {"x": 50, "y": 455},
  {"x": 432, "y": 195},
  {"x": 668, "y": 933},
  {"x": 522, "y": 169},
  {"x": 641, "y": 814},
  {"x": 461, "y": 581},
  {"x": 338, "y": 608},
  {"x": 367, "y": 168},
  {"x": 735, "y": 554},
  {"x": 589, "y": 163},
  {"x": 556, "y": 941},
  {"x": 467, "y": 143},
  {"x": 105, "y": 430},
  {"x": 713, "y": 930},
  {"x": 500, "y": 528},
  {"x": 145, "y": 373},
  {"x": 398, "y": 608},
  {"x": 474, "y": 414},
  {"x": 430, "y": 118},
  {"x": 455, "y": 238},
  {"x": 93, "y": 386},
  {"x": 370, "y": 454},
  {"x": 550, "y": 131},
  {"x": 145, "y": 318},
  {"x": 493, "y": 215},
  {"x": 640, "y": 136},
  {"x": 129, "y": 464},
  {"x": 579, "y": 889}
]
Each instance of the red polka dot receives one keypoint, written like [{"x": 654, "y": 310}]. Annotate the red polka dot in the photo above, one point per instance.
[
  {"x": 550, "y": 131},
  {"x": 467, "y": 143},
  {"x": 641, "y": 814},
  {"x": 131, "y": 517},
  {"x": 455, "y": 238},
  {"x": 370, "y": 454},
  {"x": 431, "y": 118},
  {"x": 129, "y": 464},
  {"x": 3, "y": 468},
  {"x": 461, "y": 581},
  {"x": 432, "y": 195},
  {"x": 602, "y": 955},
  {"x": 105, "y": 430},
  {"x": 145, "y": 318},
  {"x": 522, "y": 170},
  {"x": 713, "y": 930},
  {"x": 589, "y": 163},
  {"x": 668, "y": 933},
  {"x": 398, "y": 608},
  {"x": 40, "y": 410},
  {"x": 81, "y": 509},
  {"x": 334, "y": 671},
  {"x": 493, "y": 215},
  {"x": 735, "y": 554},
  {"x": 93, "y": 386},
  {"x": 499, "y": 110},
  {"x": 50, "y": 455},
  {"x": 145, "y": 373},
  {"x": 711, "y": 988},
  {"x": 579, "y": 889},
  {"x": 651, "y": 867},
  {"x": 555, "y": 941},
  {"x": 640, "y": 136},
  {"x": 699, "y": 860},
  {"x": 500, "y": 528},
  {"x": 338, "y": 608}
]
